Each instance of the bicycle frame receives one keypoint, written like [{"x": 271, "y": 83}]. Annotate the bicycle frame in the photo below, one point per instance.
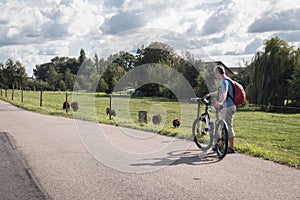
[
  {"x": 206, "y": 113},
  {"x": 214, "y": 131}
]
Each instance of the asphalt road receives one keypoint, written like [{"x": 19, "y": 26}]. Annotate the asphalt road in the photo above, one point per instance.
[
  {"x": 73, "y": 159},
  {"x": 17, "y": 181}
]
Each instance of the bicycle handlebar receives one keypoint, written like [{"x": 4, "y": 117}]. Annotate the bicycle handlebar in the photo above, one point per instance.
[{"x": 201, "y": 99}]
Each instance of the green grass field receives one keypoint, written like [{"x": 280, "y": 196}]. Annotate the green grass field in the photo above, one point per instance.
[{"x": 271, "y": 136}]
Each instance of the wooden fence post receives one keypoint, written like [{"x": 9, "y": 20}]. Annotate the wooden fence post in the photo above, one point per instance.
[
  {"x": 22, "y": 95},
  {"x": 41, "y": 98},
  {"x": 67, "y": 108},
  {"x": 12, "y": 93},
  {"x": 110, "y": 98}
]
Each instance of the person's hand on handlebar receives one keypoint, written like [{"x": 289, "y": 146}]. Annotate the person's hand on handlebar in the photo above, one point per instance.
[
  {"x": 206, "y": 96},
  {"x": 211, "y": 94}
]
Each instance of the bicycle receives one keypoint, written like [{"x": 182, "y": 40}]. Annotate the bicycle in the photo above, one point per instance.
[{"x": 207, "y": 133}]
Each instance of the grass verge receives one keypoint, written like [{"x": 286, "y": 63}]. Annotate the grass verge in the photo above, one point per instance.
[{"x": 271, "y": 136}]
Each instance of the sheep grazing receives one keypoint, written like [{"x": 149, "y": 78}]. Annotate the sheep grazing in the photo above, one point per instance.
[
  {"x": 176, "y": 122},
  {"x": 112, "y": 112},
  {"x": 156, "y": 119},
  {"x": 74, "y": 106},
  {"x": 66, "y": 105}
]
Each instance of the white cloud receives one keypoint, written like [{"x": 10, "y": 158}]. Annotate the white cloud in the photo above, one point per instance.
[
  {"x": 282, "y": 21},
  {"x": 253, "y": 46},
  {"x": 33, "y": 32},
  {"x": 122, "y": 22}
]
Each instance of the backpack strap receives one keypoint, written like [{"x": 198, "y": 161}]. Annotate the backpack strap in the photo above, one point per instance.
[{"x": 228, "y": 95}]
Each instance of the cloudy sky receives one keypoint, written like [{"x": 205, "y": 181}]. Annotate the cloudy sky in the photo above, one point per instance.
[{"x": 34, "y": 31}]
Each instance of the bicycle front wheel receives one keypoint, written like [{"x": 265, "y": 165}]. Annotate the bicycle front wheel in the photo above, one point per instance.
[
  {"x": 221, "y": 134},
  {"x": 203, "y": 138}
]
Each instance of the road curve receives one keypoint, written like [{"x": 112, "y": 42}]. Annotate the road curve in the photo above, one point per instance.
[{"x": 74, "y": 159}]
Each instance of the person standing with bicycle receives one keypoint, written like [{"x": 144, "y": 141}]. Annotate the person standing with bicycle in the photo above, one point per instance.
[{"x": 224, "y": 103}]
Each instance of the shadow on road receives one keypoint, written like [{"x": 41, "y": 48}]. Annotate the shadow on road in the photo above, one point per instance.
[{"x": 187, "y": 157}]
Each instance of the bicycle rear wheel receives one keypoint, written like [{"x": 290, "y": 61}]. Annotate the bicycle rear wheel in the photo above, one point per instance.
[
  {"x": 203, "y": 138},
  {"x": 221, "y": 138}
]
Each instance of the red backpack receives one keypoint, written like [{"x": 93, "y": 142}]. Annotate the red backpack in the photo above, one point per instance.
[{"x": 239, "y": 94}]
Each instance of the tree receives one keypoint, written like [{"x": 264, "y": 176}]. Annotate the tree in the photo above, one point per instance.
[
  {"x": 13, "y": 74},
  {"x": 73, "y": 65},
  {"x": 40, "y": 71},
  {"x": 294, "y": 89},
  {"x": 102, "y": 85},
  {"x": 2, "y": 78},
  {"x": 10, "y": 73},
  {"x": 270, "y": 73},
  {"x": 61, "y": 85},
  {"x": 125, "y": 60},
  {"x": 201, "y": 87},
  {"x": 87, "y": 77},
  {"x": 52, "y": 79},
  {"x": 111, "y": 76},
  {"x": 156, "y": 52},
  {"x": 82, "y": 57},
  {"x": 161, "y": 54},
  {"x": 38, "y": 85},
  {"x": 69, "y": 79},
  {"x": 21, "y": 75},
  {"x": 65, "y": 68},
  {"x": 97, "y": 62}
]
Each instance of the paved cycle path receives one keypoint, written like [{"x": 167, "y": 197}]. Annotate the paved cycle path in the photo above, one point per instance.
[
  {"x": 17, "y": 181},
  {"x": 73, "y": 159}
]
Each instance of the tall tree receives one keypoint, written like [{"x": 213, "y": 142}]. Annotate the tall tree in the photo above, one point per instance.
[
  {"x": 271, "y": 71},
  {"x": 40, "y": 71},
  {"x": 69, "y": 79},
  {"x": 111, "y": 76},
  {"x": 73, "y": 65},
  {"x": 87, "y": 77},
  {"x": 156, "y": 52},
  {"x": 21, "y": 75},
  {"x": 294, "y": 89},
  {"x": 10, "y": 73},
  {"x": 159, "y": 53},
  {"x": 97, "y": 62},
  {"x": 125, "y": 60},
  {"x": 14, "y": 74},
  {"x": 53, "y": 79},
  {"x": 102, "y": 86},
  {"x": 82, "y": 56},
  {"x": 2, "y": 78}
]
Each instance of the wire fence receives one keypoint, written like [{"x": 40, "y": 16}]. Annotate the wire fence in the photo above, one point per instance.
[
  {"x": 48, "y": 97},
  {"x": 269, "y": 108}
]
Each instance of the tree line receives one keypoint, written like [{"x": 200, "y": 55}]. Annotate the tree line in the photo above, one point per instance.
[
  {"x": 272, "y": 77},
  {"x": 102, "y": 75}
]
